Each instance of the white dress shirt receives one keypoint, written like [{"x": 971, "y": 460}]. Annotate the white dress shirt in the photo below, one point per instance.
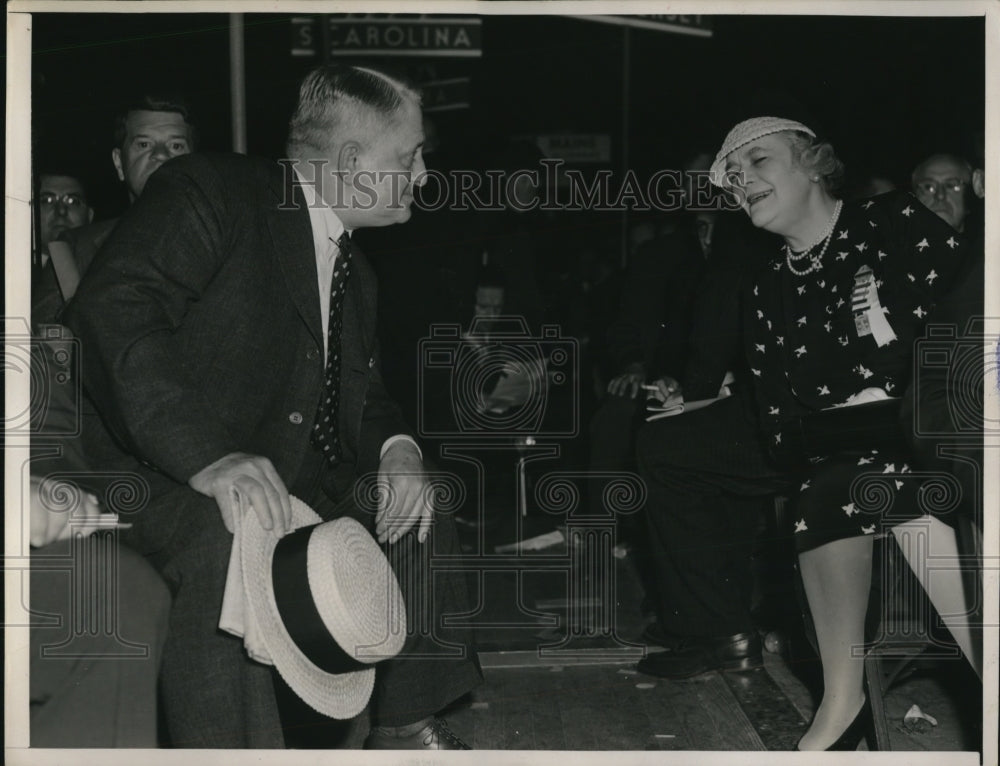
[{"x": 326, "y": 230}]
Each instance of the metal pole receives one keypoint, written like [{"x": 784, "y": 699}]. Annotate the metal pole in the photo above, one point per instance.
[
  {"x": 237, "y": 82},
  {"x": 626, "y": 41}
]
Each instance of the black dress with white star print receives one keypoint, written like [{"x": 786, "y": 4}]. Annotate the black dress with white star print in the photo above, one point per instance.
[{"x": 806, "y": 354}]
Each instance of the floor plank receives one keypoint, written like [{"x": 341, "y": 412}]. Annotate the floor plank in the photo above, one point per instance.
[
  {"x": 578, "y": 710},
  {"x": 666, "y": 724},
  {"x": 548, "y": 730},
  {"x": 770, "y": 713},
  {"x": 722, "y": 725},
  {"x": 521, "y": 701}
]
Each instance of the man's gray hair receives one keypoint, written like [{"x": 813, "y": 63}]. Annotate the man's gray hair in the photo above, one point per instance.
[
  {"x": 338, "y": 102},
  {"x": 954, "y": 158}
]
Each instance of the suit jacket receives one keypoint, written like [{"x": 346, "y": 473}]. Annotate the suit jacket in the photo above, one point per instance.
[
  {"x": 656, "y": 303},
  {"x": 46, "y": 293},
  {"x": 715, "y": 342},
  {"x": 200, "y": 324}
]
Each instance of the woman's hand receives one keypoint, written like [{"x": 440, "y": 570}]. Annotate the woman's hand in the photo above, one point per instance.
[{"x": 666, "y": 390}]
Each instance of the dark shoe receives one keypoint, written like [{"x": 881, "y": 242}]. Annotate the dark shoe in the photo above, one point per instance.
[
  {"x": 434, "y": 736},
  {"x": 695, "y": 656},
  {"x": 656, "y": 636},
  {"x": 862, "y": 725}
]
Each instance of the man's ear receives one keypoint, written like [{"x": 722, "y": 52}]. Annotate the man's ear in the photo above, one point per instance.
[
  {"x": 90, "y": 214},
  {"x": 116, "y": 157},
  {"x": 348, "y": 161},
  {"x": 979, "y": 182}
]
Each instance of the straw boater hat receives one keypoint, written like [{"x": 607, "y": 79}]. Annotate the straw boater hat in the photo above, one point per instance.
[
  {"x": 747, "y": 131},
  {"x": 328, "y": 607}
]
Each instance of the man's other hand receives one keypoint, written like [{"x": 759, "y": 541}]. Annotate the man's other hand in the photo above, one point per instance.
[
  {"x": 629, "y": 382},
  {"x": 408, "y": 498},
  {"x": 239, "y": 481}
]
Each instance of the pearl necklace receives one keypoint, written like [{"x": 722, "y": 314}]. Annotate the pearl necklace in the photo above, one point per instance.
[{"x": 815, "y": 260}]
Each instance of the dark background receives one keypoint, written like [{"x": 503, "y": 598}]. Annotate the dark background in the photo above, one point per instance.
[{"x": 887, "y": 90}]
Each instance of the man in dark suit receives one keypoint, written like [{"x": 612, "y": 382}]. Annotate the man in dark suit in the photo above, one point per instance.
[
  {"x": 229, "y": 327},
  {"x": 63, "y": 207},
  {"x": 149, "y": 130}
]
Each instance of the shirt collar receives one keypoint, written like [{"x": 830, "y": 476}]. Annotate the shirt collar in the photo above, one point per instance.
[{"x": 325, "y": 224}]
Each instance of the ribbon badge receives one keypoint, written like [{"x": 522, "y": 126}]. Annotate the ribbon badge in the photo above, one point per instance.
[{"x": 869, "y": 316}]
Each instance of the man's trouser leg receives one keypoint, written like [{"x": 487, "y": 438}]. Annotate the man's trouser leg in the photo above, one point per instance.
[
  {"x": 436, "y": 666},
  {"x": 213, "y": 694},
  {"x": 706, "y": 476},
  {"x": 612, "y": 444}
]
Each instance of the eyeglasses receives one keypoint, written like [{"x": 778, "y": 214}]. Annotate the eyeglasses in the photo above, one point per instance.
[
  {"x": 72, "y": 199},
  {"x": 931, "y": 188}
]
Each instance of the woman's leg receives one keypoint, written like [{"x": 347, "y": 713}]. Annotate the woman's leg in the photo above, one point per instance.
[
  {"x": 837, "y": 578},
  {"x": 930, "y": 540}
]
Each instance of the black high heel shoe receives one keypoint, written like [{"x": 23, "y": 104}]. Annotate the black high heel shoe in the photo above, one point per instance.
[{"x": 862, "y": 725}]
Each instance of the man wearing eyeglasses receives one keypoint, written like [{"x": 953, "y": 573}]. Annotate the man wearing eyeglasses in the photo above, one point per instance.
[
  {"x": 62, "y": 205},
  {"x": 941, "y": 182}
]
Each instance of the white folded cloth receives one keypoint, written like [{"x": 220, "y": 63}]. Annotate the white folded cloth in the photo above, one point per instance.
[{"x": 234, "y": 617}]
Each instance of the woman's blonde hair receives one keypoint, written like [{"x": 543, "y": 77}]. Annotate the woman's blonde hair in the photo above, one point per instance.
[{"x": 818, "y": 158}]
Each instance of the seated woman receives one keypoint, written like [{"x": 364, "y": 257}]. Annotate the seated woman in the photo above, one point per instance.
[{"x": 831, "y": 322}]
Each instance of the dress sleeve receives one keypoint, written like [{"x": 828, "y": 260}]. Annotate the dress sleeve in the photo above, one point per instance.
[
  {"x": 922, "y": 260},
  {"x": 929, "y": 254}
]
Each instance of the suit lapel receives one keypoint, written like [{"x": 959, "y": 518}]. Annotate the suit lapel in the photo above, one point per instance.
[{"x": 291, "y": 236}]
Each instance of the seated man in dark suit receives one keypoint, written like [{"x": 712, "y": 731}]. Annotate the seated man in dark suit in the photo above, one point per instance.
[
  {"x": 648, "y": 337},
  {"x": 230, "y": 333},
  {"x": 676, "y": 454},
  {"x": 63, "y": 205},
  {"x": 149, "y": 130},
  {"x": 93, "y": 669}
]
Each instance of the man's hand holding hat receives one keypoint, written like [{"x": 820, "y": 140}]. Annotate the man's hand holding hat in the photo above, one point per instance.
[
  {"x": 405, "y": 498},
  {"x": 238, "y": 481}
]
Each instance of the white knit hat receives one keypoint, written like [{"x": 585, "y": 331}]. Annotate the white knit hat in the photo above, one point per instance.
[
  {"x": 747, "y": 131},
  {"x": 328, "y": 607}
]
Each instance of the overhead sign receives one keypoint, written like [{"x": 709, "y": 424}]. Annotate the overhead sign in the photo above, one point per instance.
[
  {"x": 386, "y": 35},
  {"x": 445, "y": 95},
  {"x": 684, "y": 24},
  {"x": 576, "y": 147},
  {"x": 306, "y": 36}
]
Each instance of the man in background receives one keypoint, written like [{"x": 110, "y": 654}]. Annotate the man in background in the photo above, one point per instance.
[
  {"x": 943, "y": 183},
  {"x": 149, "y": 130},
  {"x": 62, "y": 205}
]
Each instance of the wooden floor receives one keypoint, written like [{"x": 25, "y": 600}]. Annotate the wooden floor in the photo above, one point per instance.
[
  {"x": 593, "y": 698},
  {"x": 527, "y": 705},
  {"x": 598, "y": 702},
  {"x": 607, "y": 707},
  {"x": 603, "y": 708}
]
